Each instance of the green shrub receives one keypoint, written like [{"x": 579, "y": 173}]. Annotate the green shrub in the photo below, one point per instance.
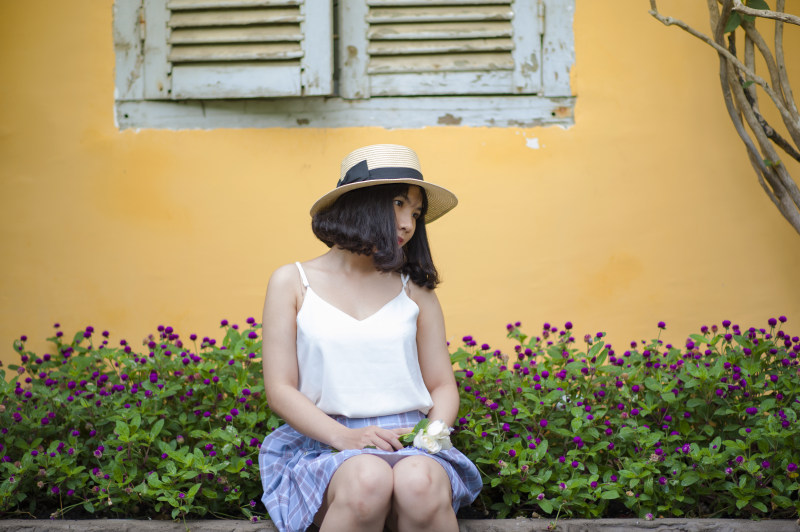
[
  {"x": 707, "y": 429},
  {"x": 172, "y": 430},
  {"x": 168, "y": 431}
]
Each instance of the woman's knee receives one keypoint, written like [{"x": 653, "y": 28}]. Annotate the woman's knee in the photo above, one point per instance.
[
  {"x": 364, "y": 483},
  {"x": 421, "y": 485}
]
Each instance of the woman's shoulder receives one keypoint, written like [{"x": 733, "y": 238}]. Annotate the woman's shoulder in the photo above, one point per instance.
[
  {"x": 423, "y": 296},
  {"x": 286, "y": 276}
]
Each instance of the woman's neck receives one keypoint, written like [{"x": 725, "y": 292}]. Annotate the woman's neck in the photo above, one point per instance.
[{"x": 350, "y": 262}]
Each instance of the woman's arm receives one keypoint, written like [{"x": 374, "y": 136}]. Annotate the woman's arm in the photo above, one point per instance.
[
  {"x": 434, "y": 358},
  {"x": 279, "y": 365}
]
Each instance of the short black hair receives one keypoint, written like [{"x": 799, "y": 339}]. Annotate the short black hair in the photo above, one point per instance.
[{"x": 363, "y": 221}]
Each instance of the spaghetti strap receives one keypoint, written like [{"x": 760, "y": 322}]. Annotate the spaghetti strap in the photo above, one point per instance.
[
  {"x": 404, "y": 277},
  {"x": 303, "y": 275}
]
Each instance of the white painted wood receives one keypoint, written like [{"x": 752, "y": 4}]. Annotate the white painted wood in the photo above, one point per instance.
[
  {"x": 558, "y": 48},
  {"x": 381, "y": 15},
  {"x": 441, "y": 83},
  {"x": 128, "y": 71},
  {"x": 245, "y": 67},
  {"x": 527, "y": 54},
  {"x": 289, "y": 32},
  {"x": 429, "y": 2},
  {"x": 353, "y": 58},
  {"x": 487, "y": 63},
  {"x": 233, "y": 80},
  {"x": 157, "y": 82},
  {"x": 176, "y": 5},
  {"x": 393, "y": 47},
  {"x": 442, "y": 30},
  {"x": 390, "y": 113},
  {"x": 235, "y": 52},
  {"x": 316, "y": 74},
  {"x": 234, "y": 17}
]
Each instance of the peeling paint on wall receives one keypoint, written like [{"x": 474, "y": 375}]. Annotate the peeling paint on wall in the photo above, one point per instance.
[{"x": 532, "y": 143}]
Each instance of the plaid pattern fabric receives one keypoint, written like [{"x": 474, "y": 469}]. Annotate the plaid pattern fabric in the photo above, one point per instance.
[{"x": 296, "y": 470}]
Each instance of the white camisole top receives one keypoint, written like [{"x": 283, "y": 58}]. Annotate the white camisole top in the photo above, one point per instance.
[{"x": 360, "y": 368}]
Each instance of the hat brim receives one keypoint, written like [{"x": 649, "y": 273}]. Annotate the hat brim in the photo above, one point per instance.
[{"x": 440, "y": 200}]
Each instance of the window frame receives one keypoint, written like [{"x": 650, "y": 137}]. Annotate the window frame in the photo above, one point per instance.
[{"x": 553, "y": 104}]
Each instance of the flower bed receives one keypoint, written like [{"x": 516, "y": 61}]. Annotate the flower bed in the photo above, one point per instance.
[{"x": 707, "y": 429}]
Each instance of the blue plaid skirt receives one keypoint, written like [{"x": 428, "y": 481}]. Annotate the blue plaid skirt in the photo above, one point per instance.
[{"x": 296, "y": 470}]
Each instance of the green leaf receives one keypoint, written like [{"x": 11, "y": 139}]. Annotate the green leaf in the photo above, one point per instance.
[
  {"x": 652, "y": 384},
  {"x": 747, "y": 83},
  {"x": 576, "y": 424},
  {"x": 121, "y": 428},
  {"x": 757, "y": 4},
  {"x": 689, "y": 478},
  {"x": 609, "y": 495},
  {"x": 88, "y": 507},
  {"x": 741, "y": 503},
  {"x": 733, "y": 22},
  {"x": 761, "y": 506},
  {"x": 156, "y": 429},
  {"x": 193, "y": 490},
  {"x": 545, "y": 505},
  {"x": 694, "y": 402}
]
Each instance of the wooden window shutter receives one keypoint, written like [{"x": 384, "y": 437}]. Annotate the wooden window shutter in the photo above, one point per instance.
[
  {"x": 440, "y": 47},
  {"x": 204, "y": 49}
]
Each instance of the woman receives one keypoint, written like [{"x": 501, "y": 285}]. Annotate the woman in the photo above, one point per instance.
[{"x": 355, "y": 355}]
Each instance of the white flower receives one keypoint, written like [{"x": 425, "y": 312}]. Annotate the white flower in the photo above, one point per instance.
[
  {"x": 437, "y": 429},
  {"x": 427, "y": 443},
  {"x": 434, "y": 438}
]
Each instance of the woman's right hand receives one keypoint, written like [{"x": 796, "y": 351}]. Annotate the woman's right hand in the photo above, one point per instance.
[{"x": 371, "y": 436}]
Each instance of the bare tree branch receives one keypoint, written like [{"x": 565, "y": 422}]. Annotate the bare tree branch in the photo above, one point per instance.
[
  {"x": 669, "y": 21},
  {"x": 784, "y": 187},
  {"x": 741, "y": 102},
  {"x": 765, "y": 13},
  {"x": 779, "y": 59}
]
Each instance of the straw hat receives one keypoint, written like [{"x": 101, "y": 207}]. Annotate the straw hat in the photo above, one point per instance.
[{"x": 382, "y": 164}]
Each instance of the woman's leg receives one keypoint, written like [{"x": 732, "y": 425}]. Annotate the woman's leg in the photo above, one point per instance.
[
  {"x": 422, "y": 498},
  {"x": 358, "y": 497}
]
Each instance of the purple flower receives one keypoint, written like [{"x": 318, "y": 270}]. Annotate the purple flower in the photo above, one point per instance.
[
  {"x": 181, "y": 495},
  {"x": 512, "y": 453},
  {"x": 543, "y": 423},
  {"x": 562, "y": 459},
  {"x": 540, "y": 496},
  {"x": 635, "y": 412},
  {"x": 765, "y": 464},
  {"x": 574, "y": 463},
  {"x": 593, "y": 484},
  {"x": 55, "y": 490},
  {"x": 568, "y": 325},
  {"x": 791, "y": 467},
  {"x": 662, "y": 480},
  {"x": 610, "y": 445},
  {"x": 739, "y": 459},
  {"x": 662, "y": 325},
  {"x": 252, "y": 335}
]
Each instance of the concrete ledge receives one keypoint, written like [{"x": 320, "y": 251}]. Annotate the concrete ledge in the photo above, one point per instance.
[{"x": 465, "y": 525}]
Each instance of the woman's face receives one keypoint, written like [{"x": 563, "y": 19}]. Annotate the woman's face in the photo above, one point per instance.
[{"x": 407, "y": 209}]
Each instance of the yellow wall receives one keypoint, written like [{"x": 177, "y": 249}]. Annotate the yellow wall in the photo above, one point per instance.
[{"x": 647, "y": 209}]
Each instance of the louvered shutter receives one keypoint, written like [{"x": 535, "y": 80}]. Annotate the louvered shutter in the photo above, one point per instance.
[
  {"x": 440, "y": 47},
  {"x": 237, "y": 48}
]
